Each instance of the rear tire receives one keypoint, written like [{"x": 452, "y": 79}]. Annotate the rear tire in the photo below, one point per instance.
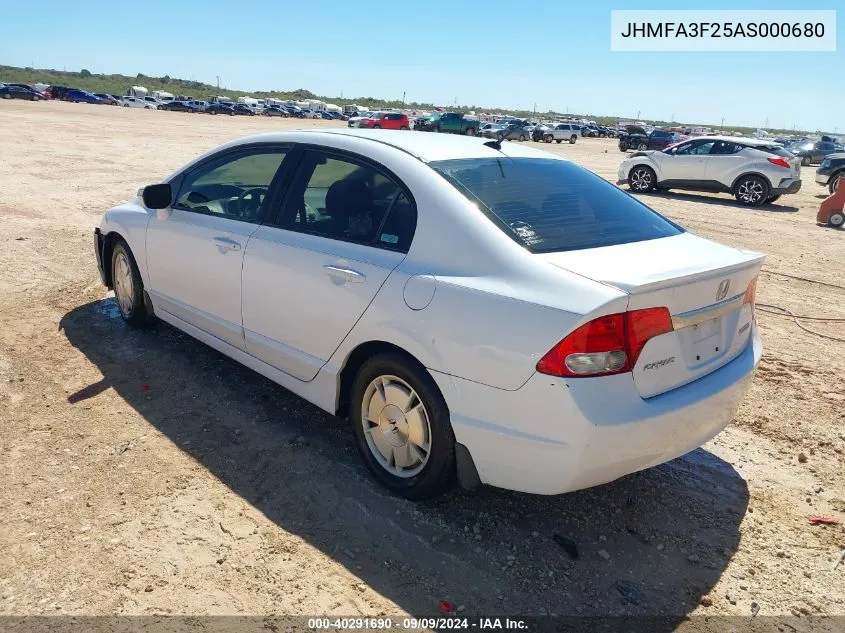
[
  {"x": 572, "y": 139},
  {"x": 836, "y": 220},
  {"x": 642, "y": 179},
  {"x": 751, "y": 191},
  {"x": 560, "y": 140},
  {"x": 522, "y": 137},
  {"x": 398, "y": 403},
  {"x": 129, "y": 287},
  {"x": 623, "y": 147},
  {"x": 548, "y": 138},
  {"x": 404, "y": 127},
  {"x": 774, "y": 198},
  {"x": 470, "y": 131},
  {"x": 642, "y": 147},
  {"x": 805, "y": 160}
]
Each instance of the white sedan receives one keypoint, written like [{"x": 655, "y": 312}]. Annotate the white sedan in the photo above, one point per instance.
[{"x": 479, "y": 311}]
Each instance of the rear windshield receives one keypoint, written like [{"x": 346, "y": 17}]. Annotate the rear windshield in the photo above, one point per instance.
[
  {"x": 549, "y": 205},
  {"x": 776, "y": 150}
]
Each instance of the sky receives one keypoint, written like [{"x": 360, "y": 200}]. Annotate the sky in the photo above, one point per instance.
[{"x": 493, "y": 53}]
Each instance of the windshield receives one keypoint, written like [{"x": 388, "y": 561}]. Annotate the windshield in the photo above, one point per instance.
[{"x": 549, "y": 205}]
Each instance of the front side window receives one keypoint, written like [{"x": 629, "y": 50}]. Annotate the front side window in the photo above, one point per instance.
[
  {"x": 696, "y": 148},
  {"x": 549, "y": 205},
  {"x": 341, "y": 198},
  {"x": 234, "y": 186}
]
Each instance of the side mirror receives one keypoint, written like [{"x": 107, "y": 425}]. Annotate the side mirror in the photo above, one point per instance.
[{"x": 157, "y": 196}]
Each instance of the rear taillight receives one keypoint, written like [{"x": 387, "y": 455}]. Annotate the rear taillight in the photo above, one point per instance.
[
  {"x": 606, "y": 345},
  {"x": 751, "y": 295},
  {"x": 780, "y": 162}
]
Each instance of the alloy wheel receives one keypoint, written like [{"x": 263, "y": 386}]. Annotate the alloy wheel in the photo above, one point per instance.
[
  {"x": 396, "y": 426},
  {"x": 750, "y": 191},
  {"x": 641, "y": 180}
]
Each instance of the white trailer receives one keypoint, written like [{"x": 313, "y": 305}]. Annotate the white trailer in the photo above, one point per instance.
[
  {"x": 137, "y": 91},
  {"x": 162, "y": 96}
]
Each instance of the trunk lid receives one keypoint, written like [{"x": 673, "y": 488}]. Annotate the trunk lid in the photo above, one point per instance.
[{"x": 702, "y": 283}]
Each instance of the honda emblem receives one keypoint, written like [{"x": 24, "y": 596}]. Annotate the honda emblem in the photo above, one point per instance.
[{"x": 722, "y": 292}]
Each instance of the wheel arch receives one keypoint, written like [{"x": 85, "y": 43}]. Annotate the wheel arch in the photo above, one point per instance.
[
  {"x": 353, "y": 362},
  {"x": 109, "y": 240}
]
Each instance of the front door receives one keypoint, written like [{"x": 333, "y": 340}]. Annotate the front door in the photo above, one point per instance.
[
  {"x": 687, "y": 162},
  {"x": 308, "y": 277},
  {"x": 195, "y": 249}
]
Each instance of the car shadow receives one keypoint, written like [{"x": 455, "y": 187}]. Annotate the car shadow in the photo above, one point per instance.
[
  {"x": 650, "y": 544},
  {"x": 773, "y": 207}
]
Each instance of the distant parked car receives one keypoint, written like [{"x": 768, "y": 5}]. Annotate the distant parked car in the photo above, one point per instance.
[
  {"x": 491, "y": 130},
  {"x": 387, "y": 121},
  {"x": 828, "y": 173},
  {"x": 636, "y": 137},
  {"x": 326, "y": 115},
  {"x": 754, "y": 171},
  {"x": 134, "y": 102},
  {"x": 81, "y": 96},
  {"x": 308, "y": 113},
  {"x": 563, "y": 132},
  {"x": 242, "y": 109},
  {"x": 107, "y": 99},
  {"x": 220, "y": 108},
  {"x": 276, "y": 111},
  {"x": 810, "y": 153},
  {"x": 38, "y": 93},
  {"x": 151, "y": 103},
  {"x": 178, "y": 106},
  {"x": 513, "y": 132},
  {"x": 11, "y": 91},
  {"x": 199, "y": 106}
]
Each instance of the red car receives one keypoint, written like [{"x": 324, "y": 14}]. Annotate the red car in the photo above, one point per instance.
[{"x": 387, "y": 121}]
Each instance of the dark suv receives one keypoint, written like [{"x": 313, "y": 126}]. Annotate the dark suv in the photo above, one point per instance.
[
  {"x": 828, "y": 173},
  {"x": 636, "y": 137},
  {"x": 812, "y": 152}
]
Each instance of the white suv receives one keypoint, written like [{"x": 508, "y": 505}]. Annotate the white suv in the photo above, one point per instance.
[
  {"x": 563, "y": 132},
  {"x": 754, "y": 171}
]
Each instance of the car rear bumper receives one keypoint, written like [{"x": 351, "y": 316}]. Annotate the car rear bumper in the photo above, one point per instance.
[
  {"x": 787, "y": 185},
  {"x": 554, "y": 435}
]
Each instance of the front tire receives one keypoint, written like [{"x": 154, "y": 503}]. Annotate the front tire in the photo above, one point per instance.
[
  {"x": 548, "y": 138},
  {"x": 751, "y": 191},
  {"x": 523, "y": 138},
  {"x": 129, "y": 287},
  {"x": 642, "y": 147},
  {"x": 470, "y": 131},
  {"x": 836, "y": 220},
  {"x": 642, "y": 179},
  {"x": 805, "y": 160},
  {"x": 402, "y": 427},
  {"x": 833, "y": 185}
]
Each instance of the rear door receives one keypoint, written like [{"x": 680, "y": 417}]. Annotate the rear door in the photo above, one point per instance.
[{"x": 345, "y": 224}]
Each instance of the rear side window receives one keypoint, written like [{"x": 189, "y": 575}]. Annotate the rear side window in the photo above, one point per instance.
[{"x": 553, "y": 205}]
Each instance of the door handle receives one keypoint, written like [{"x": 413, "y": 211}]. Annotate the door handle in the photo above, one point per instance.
[
  {"x": 347, "y": 274},
  {"x": 225, "y": 242}
]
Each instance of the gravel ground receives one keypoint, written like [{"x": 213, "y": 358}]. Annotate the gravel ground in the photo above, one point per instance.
[{"x": 144, "y": 473}]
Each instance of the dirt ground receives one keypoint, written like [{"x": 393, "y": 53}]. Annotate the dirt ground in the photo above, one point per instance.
[{"x": 144, "y": 473}]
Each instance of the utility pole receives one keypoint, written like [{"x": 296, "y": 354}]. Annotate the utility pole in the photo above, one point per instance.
[
  {"x": 638, "y": 114},
  {"x": 218, "y": 82},
  {"x": 722, "y": 125},
  {"x": 403, "y": 97}
]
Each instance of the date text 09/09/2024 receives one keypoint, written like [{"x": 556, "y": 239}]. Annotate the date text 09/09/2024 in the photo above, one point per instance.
[{"x": 418, "y": 624}]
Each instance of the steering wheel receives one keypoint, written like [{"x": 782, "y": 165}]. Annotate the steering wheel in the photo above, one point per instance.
[{"x": 249, "y": 208}]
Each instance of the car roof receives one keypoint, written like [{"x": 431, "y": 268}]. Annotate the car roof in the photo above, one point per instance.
[
  {"x": 425, "y": 146},
  {"x": 751, "y": 142}
]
